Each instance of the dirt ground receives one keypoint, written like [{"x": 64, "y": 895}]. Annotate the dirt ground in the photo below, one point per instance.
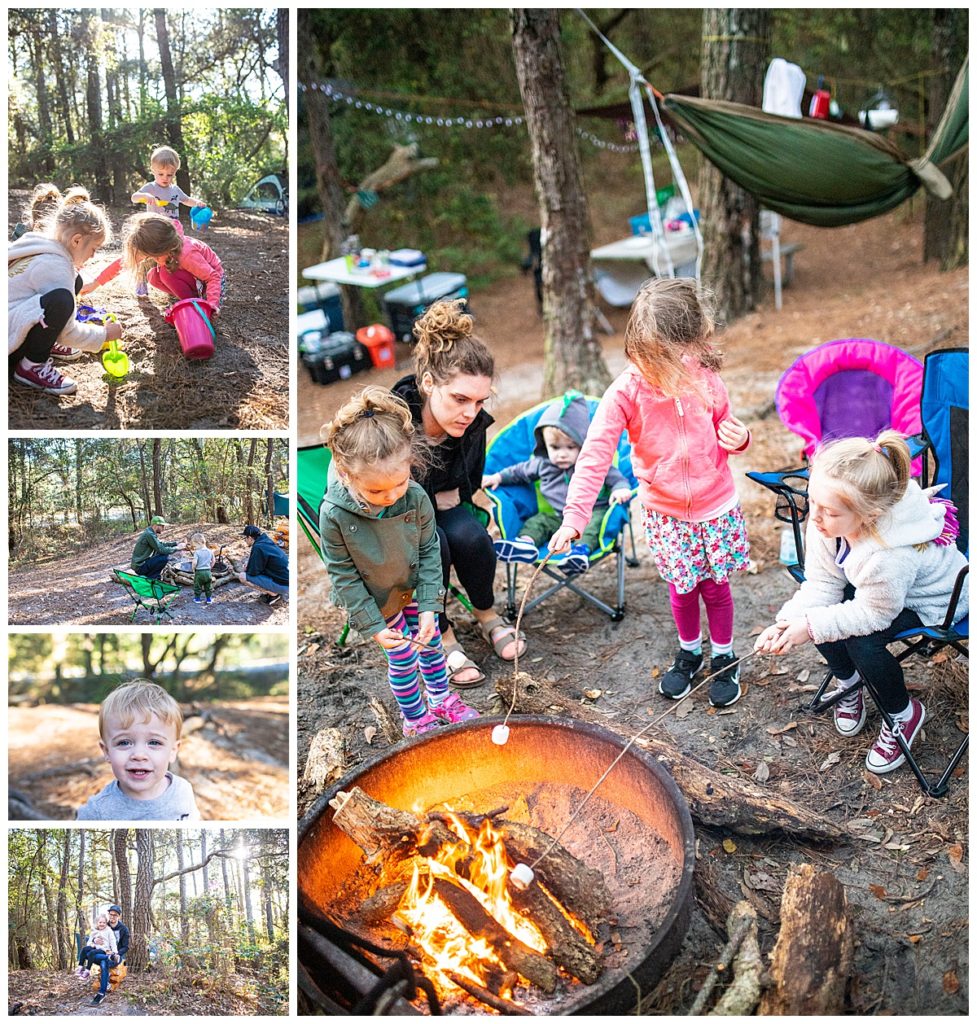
[
  {"x": 234, "y": 755},
  {"x": 905, "y": 864},
  {"x": 243, "y": 387},
  {"x": 78, "y": 589}
]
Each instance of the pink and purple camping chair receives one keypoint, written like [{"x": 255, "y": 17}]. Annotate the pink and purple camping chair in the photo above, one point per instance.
[{"x": 853, "y": 387}]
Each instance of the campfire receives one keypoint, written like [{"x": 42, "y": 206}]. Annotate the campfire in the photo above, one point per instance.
[{"x": 414, "y": 854}]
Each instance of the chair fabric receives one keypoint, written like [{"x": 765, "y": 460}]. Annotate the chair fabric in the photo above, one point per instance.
[{"x": 153, "y": 595}]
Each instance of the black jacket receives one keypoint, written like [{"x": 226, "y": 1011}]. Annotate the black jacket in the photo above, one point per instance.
[
  {"x": 121, "y": 939},
  {"x": 267, "y": 559},
  {"x": 456, "y": 461}
]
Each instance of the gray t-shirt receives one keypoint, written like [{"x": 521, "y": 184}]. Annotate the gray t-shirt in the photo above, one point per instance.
[
  {"x": 203, "y": 558},
  {"x": 172, "y": 193},
  {"x": 175, "y": 804}
]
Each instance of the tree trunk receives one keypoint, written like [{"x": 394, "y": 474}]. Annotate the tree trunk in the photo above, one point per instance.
[
  {"x": 93, "y": 101},
  {"x": 735, "y": 50},
  {"x": 174, "y": 127},
  {"x": 138, "y": 958},
  {"x": 572, "y": 352},
  {"x": 181, "y": 864},
  {"x": 64, "y": 936},
  {"x": 269, "y": 476},
  {"x": 203, "y": 857},
  {"x": 43, "y": 103},
  {"x": 248, "y": 907},
  {"x": 157, "y": 478},
  {"x": 80, "y": 892},
  {"x": 266, "y": 887},
  {"x": 228, "y": 900},
  {"x": 60, "y": 75},
  {"x": 946, "y": 220},
  {"x": 144, "y": 480},
  {"x": 250, "y": 482},
  {"x": 281, "y": 34}
]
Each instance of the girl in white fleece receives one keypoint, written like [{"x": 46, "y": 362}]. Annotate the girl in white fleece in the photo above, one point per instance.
[
  {"x": 43, "y": 280},
  {"x": 102, "y": 940},
  {"x": 880, "y": 559}
]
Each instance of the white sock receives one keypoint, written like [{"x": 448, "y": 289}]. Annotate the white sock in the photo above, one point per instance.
[
  {"x": 720, "y": 649},
  {"x": 844, "y": 684},
  {"x": 904, "y": 715},
  {"x": 693, "y": 646},
  {"x": 28, "y": 364}
]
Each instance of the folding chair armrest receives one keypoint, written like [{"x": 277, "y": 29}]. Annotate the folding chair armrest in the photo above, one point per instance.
[
  {"x": 955, "y": 597},
  {"x": 776, "y": 480}
]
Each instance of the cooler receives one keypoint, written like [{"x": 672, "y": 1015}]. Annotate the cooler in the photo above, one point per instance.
[
  {"x": 325, "y": 296},
  {"x": 333, "y": 357},
  {"x": 406, "y": 303}
]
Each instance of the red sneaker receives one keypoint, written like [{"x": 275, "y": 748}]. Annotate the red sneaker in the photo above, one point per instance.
[
  {"x": 453, "y": 709},
  {"x": 44, "y": 377},
  {"x": 65, "y": 353},
  {"x": 885, "y": 755},
  {"x": 850, "y": 713}
]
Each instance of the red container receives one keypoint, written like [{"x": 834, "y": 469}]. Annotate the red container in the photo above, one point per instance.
[
  {"x": 821, "y": 104},
  {"x": 379, "y": 341},
  {"x": 191, "y": 318}
]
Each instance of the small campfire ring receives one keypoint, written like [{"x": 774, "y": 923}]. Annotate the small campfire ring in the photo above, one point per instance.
[{"x": 635, "y": 831}]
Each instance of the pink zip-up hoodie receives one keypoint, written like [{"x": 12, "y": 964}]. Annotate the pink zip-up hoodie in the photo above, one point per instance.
[{"x": 675, "y": 454}]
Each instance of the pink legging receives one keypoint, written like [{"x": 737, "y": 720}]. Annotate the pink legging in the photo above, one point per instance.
[
  {"x": 718, "y": 599},
  {"x": 180, "y": 283}
]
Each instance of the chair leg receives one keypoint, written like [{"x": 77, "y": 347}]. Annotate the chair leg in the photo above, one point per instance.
[
  {"x": 511, "y": 571},
  {"x": 816, "y": 704},
  {"x": 619, "y": 610}
]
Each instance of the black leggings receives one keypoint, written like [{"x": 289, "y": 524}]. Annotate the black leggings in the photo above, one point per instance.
[
  {"x": 466, "y": 545},
  {"x": 59, "y": 308},
  {"x": 874, "y": 661}
]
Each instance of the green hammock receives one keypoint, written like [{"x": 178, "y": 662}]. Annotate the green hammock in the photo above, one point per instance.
[{"x": 815, "y": 171}]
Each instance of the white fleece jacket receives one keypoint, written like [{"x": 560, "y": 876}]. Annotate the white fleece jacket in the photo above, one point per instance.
[
  {"x": 37, "y": 265},
  {"x": 887, "y": 576}
]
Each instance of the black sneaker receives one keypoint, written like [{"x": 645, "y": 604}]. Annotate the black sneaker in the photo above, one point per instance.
[
  {"x": 98, "y": 998},
  {"x": 677, "y": 681},
  {"x": 725, "y": 688}
]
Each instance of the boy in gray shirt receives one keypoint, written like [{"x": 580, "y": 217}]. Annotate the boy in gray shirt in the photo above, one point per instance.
[
  {"x": 162, "y": 194},
  {"x": 203, "y": 562},
  {"x": 140, "y": 726}
]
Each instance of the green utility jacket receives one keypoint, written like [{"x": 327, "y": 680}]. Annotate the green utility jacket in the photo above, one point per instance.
[
  {"x": 148, "y": 545},
  {"x": 379, "y": 563}
]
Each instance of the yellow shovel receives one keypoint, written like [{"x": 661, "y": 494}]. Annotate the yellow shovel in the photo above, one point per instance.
[{"x": 115, "y": 362}]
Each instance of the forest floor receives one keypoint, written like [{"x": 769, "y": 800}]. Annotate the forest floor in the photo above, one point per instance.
[
  {"x": 243, "y": 387},
  {"x": 61, "y": 994},
  {"x": 905, "y": 865},
  {"x": 234, "y": 754},
  {"x": 77, "y": 588}
]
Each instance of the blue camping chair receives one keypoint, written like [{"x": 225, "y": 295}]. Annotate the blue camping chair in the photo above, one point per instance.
[
  {"x": 513, "y": 505},
  {"x": 852, "y": 387},
  {"x": 944, "y": 412}
]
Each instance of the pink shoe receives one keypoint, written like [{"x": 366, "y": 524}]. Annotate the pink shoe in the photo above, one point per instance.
[
  {"x": 416, "y": 726},
  {"x": 453, "y": 709},
  {"x": 885, "y": 755}
]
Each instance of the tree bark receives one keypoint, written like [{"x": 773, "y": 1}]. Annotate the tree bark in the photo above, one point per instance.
[
  {"x": 157, "y": 478},
  {"x": 812, "y": 960},
  {"x": 181, "y": 867},
  {"x": 123, "y": 896},
  {"x": 174, "y": 127},
  {"x": 138, "y": 957},
  {"x": 572, "y": 353},
  {"x": 281, "y": 34},
  {"x": 64, "y": 947},
  {"x": 735, "y": 50},
  {"x": 80, "y": 890},
  {"x": 60, "y": 75},
  {"x": 93, "y": 101}
]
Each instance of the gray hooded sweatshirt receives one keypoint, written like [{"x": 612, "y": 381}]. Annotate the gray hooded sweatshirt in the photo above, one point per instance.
[{"x": 572, "y": 416}]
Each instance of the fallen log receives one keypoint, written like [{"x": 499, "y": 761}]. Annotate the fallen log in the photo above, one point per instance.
[
  {"x": 500, "y": 1003},
  {"x": 812, "y": 959},
  {"x": 326, "y": 760},
  {"x": 743, "y": 993},
  {"x": 716, "y": 800},
  {"x": 511, "y": 951}
]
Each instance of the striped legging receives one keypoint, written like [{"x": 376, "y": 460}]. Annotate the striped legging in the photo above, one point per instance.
[{"x": 403, "y": 663}]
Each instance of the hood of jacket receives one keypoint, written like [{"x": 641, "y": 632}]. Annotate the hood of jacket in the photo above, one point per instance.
[
  {"x": 33, "y": 244},
  {"x": 569, "y": 414},
  {"x": 912, "y": 520}
]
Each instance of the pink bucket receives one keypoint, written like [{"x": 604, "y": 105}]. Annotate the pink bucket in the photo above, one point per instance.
[{"x": 191, "y": 318}]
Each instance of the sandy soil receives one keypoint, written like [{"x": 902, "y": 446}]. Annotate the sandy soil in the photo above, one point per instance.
[
  {"x": 236, "y": 762},
  {"x": 906, "y": 873},
  {"x": 79, "y": 590},
  {"x": 245, "y": 385}
]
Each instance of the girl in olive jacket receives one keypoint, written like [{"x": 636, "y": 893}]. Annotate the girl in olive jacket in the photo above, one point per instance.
[{"x": 381, "y": 548}]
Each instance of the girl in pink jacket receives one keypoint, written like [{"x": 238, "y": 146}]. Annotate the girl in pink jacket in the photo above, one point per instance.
[
  {"x": 675, "y": 409},
  {"x": 184, "y": 267}
]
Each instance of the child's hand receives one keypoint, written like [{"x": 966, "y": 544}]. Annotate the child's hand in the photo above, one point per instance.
[
  {"x": 87, "y": 289},
  {"x": 733, "y": 434},
  {"x": 768, "y": 639},
  {"x": 784, "y": 635},
  {"x": 491, "y": 480},
  {"x": 562, "y": 539},
  {"x": 389, "y": 638},
  {"x": 621, "y": 496},
  {"x": 426, "y": 624},
  {"x": 113, "y": 331}
]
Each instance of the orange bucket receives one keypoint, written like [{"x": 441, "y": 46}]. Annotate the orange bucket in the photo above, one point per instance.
[{"x": 379, "y": 341}]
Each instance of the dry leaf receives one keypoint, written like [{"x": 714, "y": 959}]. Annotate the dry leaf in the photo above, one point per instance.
[
  {"x": 710, "y": 710},
  {"x": 832, "y": 759},
  {"x": 757, "y": 630},
  {"x": 729, "y": 846},
  {"x": 762, "y": 772},
  {"x": 684, "y": 709},
  {"x": 311, "y": 649},
  {"x": 592, "y": 694},
  {"x": 369, "y": 732},
  {"x": 878, "y": 891},
  {"x": 922, "y": 874},
  {"x": 655, "y": 672},
  {"x": 804, "y": 675},
  {"x": 955, "y": 853},
  {"x": 915, "y": 938},
  {"x": 872, "y": 779},
  {"x": 775, "y": 731},
  {"x": 951, "y": 983}
]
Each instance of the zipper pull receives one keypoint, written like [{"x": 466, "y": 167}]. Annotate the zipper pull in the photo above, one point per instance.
[{"x": 678, "y": 407}]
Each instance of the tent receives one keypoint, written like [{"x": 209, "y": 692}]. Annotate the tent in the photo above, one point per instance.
[{"x": 269, "y": 195}]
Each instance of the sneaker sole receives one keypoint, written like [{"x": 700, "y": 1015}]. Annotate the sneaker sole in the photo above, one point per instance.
[
  {"x": 675, "y": 696},
  {"x": 854, "y": 731},
  {"x": 68, "y": 359},
  {"x": 727, "y": 703},
  {"x": 44, "y": 390},
  {"x": 506, "y": 551}
]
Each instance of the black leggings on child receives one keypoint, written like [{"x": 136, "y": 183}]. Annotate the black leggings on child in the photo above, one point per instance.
[
  {"x": 466, "y": 545},
  {"x": 59, "y": 307}
]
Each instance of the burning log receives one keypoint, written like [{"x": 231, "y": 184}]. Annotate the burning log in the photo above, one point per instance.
[
  {"x": 482, "y": 994},
  {"x": 513, "y": 953},
  {"x": 812, "y": 960},
  {"x": 714, "y": 799}
]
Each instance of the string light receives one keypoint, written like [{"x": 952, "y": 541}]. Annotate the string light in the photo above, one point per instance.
[{"x": 499, "y": 121}]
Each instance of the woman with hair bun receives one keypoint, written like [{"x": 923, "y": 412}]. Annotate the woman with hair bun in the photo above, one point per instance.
[{"x": 446, "y": 395}]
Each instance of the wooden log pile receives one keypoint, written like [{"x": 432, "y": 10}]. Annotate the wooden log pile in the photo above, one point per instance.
[
  {"x": 394, "y": 839},
  {"x": 180, "y": 574}
]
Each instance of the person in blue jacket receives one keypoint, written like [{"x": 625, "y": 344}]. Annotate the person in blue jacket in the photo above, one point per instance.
[{"x": 267, "y": 567}]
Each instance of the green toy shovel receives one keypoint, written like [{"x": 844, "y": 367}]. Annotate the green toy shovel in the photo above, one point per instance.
[{"x": 116, "y": 363}]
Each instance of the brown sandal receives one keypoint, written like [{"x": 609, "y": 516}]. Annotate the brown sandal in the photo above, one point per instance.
[
  {"x": 501, "y": 642},
  {"x": 457, "y": 661}
]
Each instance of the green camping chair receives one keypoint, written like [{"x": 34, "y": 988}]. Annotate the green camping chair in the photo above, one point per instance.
[
  {"x": 153, "y": 595},
  {"x": 313, "y": 476}
]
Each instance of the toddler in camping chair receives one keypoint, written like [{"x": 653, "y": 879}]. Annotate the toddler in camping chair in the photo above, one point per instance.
[
  {"x": 101, "y": 940},
  {"x": 380, "y": 545},
  {"x": 560, "y": 435}
]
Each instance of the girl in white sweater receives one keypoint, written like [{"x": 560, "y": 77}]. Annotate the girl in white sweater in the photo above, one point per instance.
[
  {"x": 880, "y": 559},
  {"x": 43, "y": 280}
]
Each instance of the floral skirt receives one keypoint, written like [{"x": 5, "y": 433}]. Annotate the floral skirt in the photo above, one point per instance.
[{"x": 687, "y": 553}]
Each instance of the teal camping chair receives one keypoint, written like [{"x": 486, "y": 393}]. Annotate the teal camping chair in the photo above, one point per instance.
[{"x": 513, "y": 505}]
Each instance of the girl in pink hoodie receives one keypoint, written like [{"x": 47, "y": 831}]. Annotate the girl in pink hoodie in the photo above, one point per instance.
[
  {"x": 676, "y": 411},
  {"x": 184, "y": 267}
]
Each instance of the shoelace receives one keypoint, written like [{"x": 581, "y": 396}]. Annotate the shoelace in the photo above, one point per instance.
[
  {"x": 887, "y": 740},
  {"x": 47, "y": 372},
  {"x": 851, "y": 703}
]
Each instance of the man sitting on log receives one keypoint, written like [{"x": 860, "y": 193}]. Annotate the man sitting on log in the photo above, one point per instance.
[{"x": 150, "y": 555}]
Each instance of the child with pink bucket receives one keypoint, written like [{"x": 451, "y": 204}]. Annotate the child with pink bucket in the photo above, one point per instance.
[{"x": 185, "y": 268}]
